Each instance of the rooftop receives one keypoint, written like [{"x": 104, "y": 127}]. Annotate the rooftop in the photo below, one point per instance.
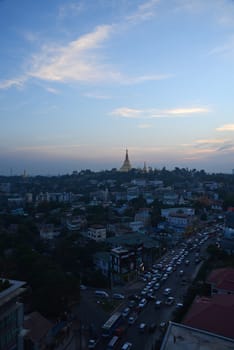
[
  {"x": 214, "y": 314},
  {"x": 182, "y": 337},
  {"x": 15, "y": 288},
  {"x": 222, "y": 278}
]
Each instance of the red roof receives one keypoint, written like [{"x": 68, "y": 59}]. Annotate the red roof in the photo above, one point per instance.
[
  {"x": 37, "y": 325},
  {"x": 222, "y": 279},
  {"x": 215, "y": 315}
]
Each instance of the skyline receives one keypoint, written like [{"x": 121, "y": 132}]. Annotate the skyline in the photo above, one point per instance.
[{"x": 83, "y": 80}]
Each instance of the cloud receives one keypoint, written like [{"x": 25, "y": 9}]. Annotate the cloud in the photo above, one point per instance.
[
  {"x": 97, "y": 96},
  {"x": 70, "y": 9},
  {"x": 144, "y": 11},
  {"x": 16, "y": 82},
  {"x": 72, "y": 62},
  {"x": 209, "y": 146},
  {"x": 52, "y": 90},
  {"x": 221, "y": 10},
  {"x": 225, "y": 49},
  {"x": 80, "y": 60},
  {"x": 210, "y": 142},
  {"x": 144, "y": 126},
  {"x": 226, "y": 127},
  {"x": 132, "y": 113}
]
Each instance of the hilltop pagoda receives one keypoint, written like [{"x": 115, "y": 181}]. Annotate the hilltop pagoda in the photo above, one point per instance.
[{"x": 126, "y": 164}]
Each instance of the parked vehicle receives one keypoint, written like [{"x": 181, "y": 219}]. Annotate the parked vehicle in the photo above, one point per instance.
[
  {"x": 101, "y": 294},
  {"x": 118, "y": 296}
]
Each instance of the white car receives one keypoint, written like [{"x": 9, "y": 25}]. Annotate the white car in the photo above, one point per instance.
[
  {"x": 132, "y": 319},
  {"x": 142, "y": 303},
  {"x": 126, "y": 312},
  {"x": 92, "y": 344},
  {"x": 118, "y": 296},
  {"x": 167, "y": 291},
  {"x": 158, "y": 303},
  {"x": 126, "y": 346}
]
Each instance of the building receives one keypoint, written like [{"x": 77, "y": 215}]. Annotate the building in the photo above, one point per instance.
[
  {"x": 124, "y": 264},
  {"x": 48, "y": 232},
  {"x": 181, "y": 337},
  {"x": 36, "y": 329},
  {"x": 215, "y": 315},
  {"x": 126, "y": 164},
  {"x": 97, "y": 233},
  {"x": 221, "y": 281},
  {"x": 11, "y": 315}
]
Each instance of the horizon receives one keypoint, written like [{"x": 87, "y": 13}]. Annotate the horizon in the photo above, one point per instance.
[{"x": 81, "y": 81}]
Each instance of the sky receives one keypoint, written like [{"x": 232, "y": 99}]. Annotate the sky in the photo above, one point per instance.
[{"x": 81, "y": 81}]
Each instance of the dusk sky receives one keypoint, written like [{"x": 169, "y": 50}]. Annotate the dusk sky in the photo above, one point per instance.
[{"x": 82, "y": 80}]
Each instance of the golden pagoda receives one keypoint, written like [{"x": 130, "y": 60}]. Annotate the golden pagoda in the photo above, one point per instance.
[{"x": 126, "y": 164}]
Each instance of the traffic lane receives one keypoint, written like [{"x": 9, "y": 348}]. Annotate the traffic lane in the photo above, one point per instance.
[{"x": 148, "y": 315}]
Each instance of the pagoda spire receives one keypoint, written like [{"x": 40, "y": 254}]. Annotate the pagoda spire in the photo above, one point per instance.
[{"x": 126, "y": 164}]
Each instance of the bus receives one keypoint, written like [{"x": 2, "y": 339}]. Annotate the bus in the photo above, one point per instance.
[{"x": 111, "y": 324}]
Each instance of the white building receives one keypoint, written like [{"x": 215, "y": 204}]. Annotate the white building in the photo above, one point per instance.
[{"x": 97, "y": 233}]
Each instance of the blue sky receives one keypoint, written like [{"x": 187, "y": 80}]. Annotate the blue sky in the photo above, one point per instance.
[{"x": 82, "y": 80}]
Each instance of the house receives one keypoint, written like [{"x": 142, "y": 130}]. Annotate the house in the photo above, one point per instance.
[
  {"x": 179, "y": 220},
  {"x": 97, "y": 233},
  {"x": 36, "y": 329},
  {"x": 48, "y": 232},
  {"x": 221, "y": 281},
  {"x": 74, "y": 223},
  {"x": 215, "y": 315},
  {"x": 185, "y": 210}
]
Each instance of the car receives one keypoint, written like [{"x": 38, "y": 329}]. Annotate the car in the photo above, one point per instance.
[
  {"x": 126, "y": 312},
  {"x": 170, "y": 301},
  {"x": 167, "y": 291},
  {"x": 150, "y": 296},
  {"x": 156, "y": 286},
  {"x": 131, "y": 303},
  {"x": 118, "y": 296},
  {"x": 101, "y": 294},
  {"x": 83, "y": 287},
  {"x": 142, "y": 327},
  {"x": 142, "y": 303},
  {"x": 92, "y": 343},
  {"x": 158, "y": 303},
  {"x": 126, "y": 346},
  {"x": 152, "y": 327},
  {"x": 132, "y": 319},
  {"x": 179, "y": 305}
]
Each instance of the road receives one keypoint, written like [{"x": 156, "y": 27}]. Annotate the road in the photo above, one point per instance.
[{"x": 90, "y": 313}]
